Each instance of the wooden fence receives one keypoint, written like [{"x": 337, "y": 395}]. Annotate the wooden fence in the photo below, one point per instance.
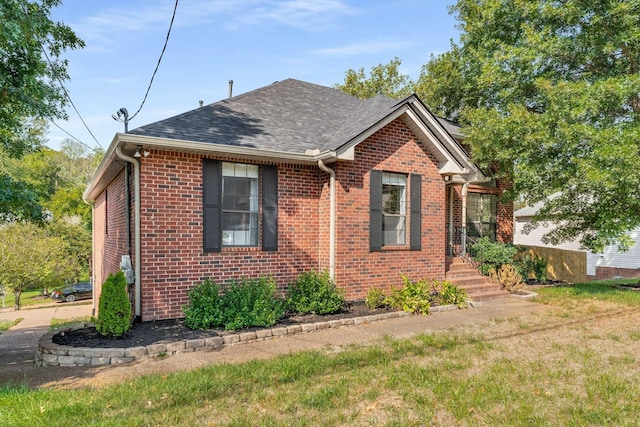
[{"x": 570, "y": 266}]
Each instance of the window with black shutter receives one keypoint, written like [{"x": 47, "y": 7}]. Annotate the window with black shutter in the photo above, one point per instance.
[{"x": 231, "y": 205}]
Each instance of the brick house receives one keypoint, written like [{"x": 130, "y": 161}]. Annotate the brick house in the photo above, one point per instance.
[{"x": 285, "y": 179}]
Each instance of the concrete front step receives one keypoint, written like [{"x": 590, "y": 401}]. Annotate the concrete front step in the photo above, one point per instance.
[{"x": 488, "y": 295}]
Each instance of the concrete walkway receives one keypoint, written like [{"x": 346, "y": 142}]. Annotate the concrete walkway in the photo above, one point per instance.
[
  {"x": 17, "y": 348},
  {"x": 18, "y": 345}
]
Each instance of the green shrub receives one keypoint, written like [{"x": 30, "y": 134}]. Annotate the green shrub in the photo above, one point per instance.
[
  {"x": 114, "y": 315},
  {"x": 375, "y": 298},
  {"x": 251, "y": 302},
  {"x": 314, "y": 292},
  {"x": 531, "y": 266},
  {"x": 447, "y": 293},
  {"x": 491, "y": 255},
  {"x": 413, "y": 297},
  {"x": 205, "y": 307},
  {"x": 245, "y": 303}
]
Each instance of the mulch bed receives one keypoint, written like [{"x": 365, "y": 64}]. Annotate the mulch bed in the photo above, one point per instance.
[{"x": 146, "y": 333}]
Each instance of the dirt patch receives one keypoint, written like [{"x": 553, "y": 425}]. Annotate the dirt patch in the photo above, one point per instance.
[{"x": 147, "y": 333}]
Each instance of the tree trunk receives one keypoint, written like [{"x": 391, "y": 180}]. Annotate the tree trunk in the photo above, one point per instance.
[{"x": 16, "y": 303}]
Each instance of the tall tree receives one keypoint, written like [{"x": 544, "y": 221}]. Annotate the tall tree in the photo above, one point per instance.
[
  {"x": 31, "y": 67},
  {"x": 551, "y": 95},
  {"x": 384, "y": 80}
]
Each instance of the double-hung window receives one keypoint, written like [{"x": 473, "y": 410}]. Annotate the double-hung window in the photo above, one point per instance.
[
  {"x": 240, "y": 205},
  {"x": 394, "y": 207}
]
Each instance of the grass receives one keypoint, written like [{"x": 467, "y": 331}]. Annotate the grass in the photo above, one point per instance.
[
  {"x": 5, "y": 325},
  {"x": 597, "y": 291},
  {"x": 446, "y": 378},
  {"x": 65, "y": 323},
  {"x": 28, "y": 298}
]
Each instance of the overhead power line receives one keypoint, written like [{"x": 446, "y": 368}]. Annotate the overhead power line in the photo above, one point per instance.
[
  {"x": 166, "y": 41},
  {"x": 64, "y": 89},
  {"x": 65, "y": 131}
]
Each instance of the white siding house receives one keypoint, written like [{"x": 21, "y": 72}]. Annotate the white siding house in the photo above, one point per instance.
[{"x": 607, "y": 264}]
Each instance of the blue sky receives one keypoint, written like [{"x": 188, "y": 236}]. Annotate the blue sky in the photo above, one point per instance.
[{"x": 252, "y": 42}]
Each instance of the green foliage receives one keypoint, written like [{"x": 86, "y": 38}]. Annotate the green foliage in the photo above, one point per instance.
[
  {"x": 413, "y": 297},
  {"x": 548, "y": 93},
  {"x": 29, "y": 82},
  {"x": 491, "y": 255},
  {"x": 205, "y": 306},
  {"x": 246, "y": 303},
  {"x": 375, "y": 298},
  {"x": 5, "y": 325},
  {"x": 30, "y": 258},
  {"x": 383, "y": 80},
  {"x": 531, "y": 266},
  {"x": 447, "y": 293},
  {"x": 114, "y": 315},
  {"x": 314, "y": 292},
  {"x": 251, "y": 302}
]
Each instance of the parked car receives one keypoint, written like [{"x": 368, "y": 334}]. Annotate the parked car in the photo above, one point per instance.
[{"x": 74, "y": 292}]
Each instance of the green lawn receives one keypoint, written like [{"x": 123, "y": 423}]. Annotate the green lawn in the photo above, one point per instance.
[
  {"x": 28, "y": 298},
  {"x": 6, "y": 324},
  {"x": 575, "y": 365}
]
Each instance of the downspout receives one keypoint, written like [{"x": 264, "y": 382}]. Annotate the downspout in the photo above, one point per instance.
[
  {"x": 136, "y": 222},
  {"x": 93, "y": 251},
  {"x": 127, "y": 192},
  {"x": 464, "y": 218},
  {"x": 450, "y": 249},
  {"x": 332, "y": 218}
]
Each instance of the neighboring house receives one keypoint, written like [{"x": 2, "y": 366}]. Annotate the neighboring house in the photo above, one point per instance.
[
  {"x": 282, "y": 180},
  {"x": 608, "y": 264}
]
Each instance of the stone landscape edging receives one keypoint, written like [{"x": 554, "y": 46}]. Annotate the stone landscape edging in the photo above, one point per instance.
[{"x": 52, "y": 354}]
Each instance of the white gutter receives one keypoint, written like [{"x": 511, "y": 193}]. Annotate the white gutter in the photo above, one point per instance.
[
  {"x": 450, "y": 249},
  {"x": 332, "y": 218},
  {"x": 136, "y": 196}
]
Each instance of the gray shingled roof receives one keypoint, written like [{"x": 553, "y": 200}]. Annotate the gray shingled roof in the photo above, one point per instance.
[{"x": 291, "y": 116}]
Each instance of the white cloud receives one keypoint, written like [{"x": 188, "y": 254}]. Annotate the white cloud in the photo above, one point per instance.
[
  {"x": 303, "y": 14},
  {"x": 111, "y": 26}
]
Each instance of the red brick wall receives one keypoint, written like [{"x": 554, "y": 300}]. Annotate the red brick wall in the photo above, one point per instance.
[
  {"x": 109, "y": 232},
  {"x": 172, "y": 258},
  {"x": 605, "y": 273},
  {"x": 392, "y": 149}
]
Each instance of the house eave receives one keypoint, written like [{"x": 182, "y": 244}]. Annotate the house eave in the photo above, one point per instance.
[{"x": 109, "y": 167}]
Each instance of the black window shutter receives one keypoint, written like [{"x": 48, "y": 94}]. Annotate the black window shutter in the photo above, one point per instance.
[
  {"x": 212, "y": 205},
  {"x": 375, "y": 211},
  {"x": 415, "y": 203},
  {"x": 269, "y": 208}
]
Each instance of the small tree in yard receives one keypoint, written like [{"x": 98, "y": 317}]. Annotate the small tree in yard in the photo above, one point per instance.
[
  {"x": 114, "y": 316},
  {"x": 29, "y": 258}
]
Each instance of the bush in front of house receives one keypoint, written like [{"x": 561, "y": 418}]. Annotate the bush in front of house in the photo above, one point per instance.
[
  {"x": 491, "y": 255},
  {"x": 529, "y": 265},
  {"x": 114, "y": 315},
  {"x": 314, "y": 293},
  {"x": 242, "y": 304},
  {"x": 446, "y": 293},
  {"x": 413, "y": 297},
  {"x": 205, "y": 307},
  {"x": 375, "y": 298},
  {"x": 251, "y": 302}
]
